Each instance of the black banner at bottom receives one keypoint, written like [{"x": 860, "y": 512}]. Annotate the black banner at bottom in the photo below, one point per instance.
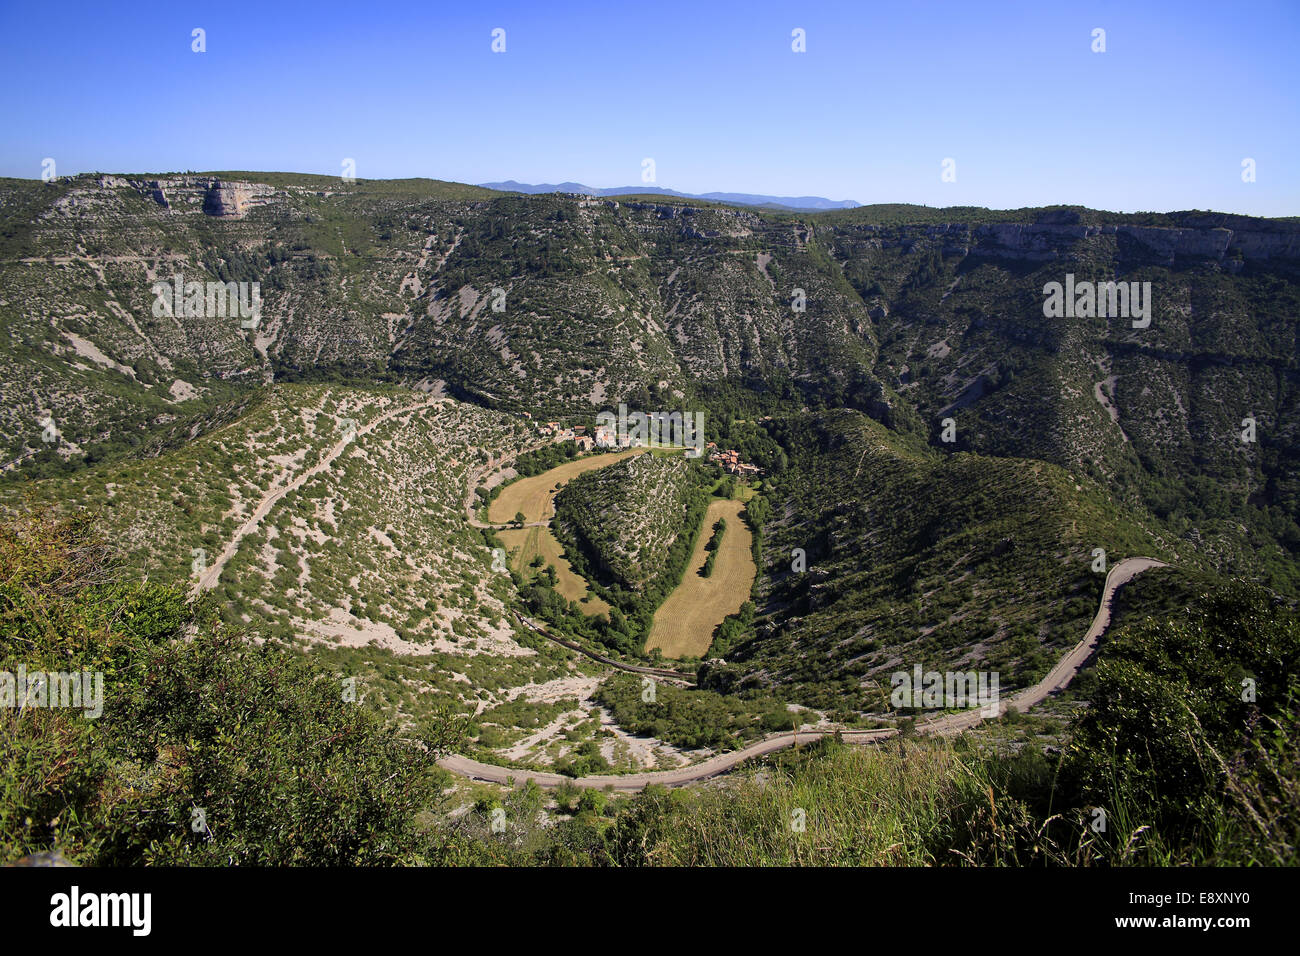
[{"x": 564, "y": 906}]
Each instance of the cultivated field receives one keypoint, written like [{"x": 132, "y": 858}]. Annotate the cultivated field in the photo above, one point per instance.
[
  {"x": 525, "y": 543},
  {"x": 683, "y": 625},
  {"x": 535, "y": 496}
]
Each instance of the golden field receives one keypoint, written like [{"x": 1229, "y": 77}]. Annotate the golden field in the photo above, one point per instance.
[{"x": 684, "y": 624}]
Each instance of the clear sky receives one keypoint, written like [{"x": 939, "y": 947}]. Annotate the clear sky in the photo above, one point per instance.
[{"x": 711, "y": 91}]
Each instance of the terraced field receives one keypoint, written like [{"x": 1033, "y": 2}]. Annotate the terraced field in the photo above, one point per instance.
[{"x": 684, "y": 624}]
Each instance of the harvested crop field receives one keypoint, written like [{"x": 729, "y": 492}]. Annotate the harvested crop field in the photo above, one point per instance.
[
  {"x": 684, "y": 624},
  {"x": 535, "y": 496},
  {"x": 525, "y": 543}
]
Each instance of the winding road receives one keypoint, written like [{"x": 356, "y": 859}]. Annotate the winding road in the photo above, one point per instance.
[{"x": 944, "y": 725}]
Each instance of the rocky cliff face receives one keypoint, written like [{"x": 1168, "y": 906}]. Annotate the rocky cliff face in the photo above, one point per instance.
[
  {"x": 232, "y": 200},
  {"x": 552, "y": 304},
  {"x": 1044, "y": 242},
  {"x": 213, "y": 196}
]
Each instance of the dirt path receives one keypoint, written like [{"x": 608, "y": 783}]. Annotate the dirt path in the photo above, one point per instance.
[
  {"x": 946, "y": 725},
  {"x": 209, "y": 578},
  {"x": 478, "y": 474}
]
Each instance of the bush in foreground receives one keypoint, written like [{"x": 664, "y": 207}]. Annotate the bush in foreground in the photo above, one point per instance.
[{"x": 211, "y": 749}]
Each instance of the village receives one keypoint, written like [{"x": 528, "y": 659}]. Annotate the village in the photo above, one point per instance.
[{"x": 607, "y": 437}]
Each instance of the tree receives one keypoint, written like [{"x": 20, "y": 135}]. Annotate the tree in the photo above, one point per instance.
[
  {"x": 519, "y": 519},
  {"x": 236, "y": 752}
]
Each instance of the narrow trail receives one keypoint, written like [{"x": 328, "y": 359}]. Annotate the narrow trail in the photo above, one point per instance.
[
  {"x": 209, "y": 578},
  {"x": 945, "y": 725},
  {"x": 666, "y": 674}
]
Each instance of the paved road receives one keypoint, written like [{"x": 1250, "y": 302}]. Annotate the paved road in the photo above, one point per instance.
[
  {"x": 712, "y": 767},
  {"x": 1064, "y": 670},
  {"x": 946, "y": 725}
]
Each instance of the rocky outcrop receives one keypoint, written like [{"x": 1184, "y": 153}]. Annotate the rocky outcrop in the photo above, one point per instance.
[
  {"x": 221, "y": 199},
  {"x": 226, "y": 200}
]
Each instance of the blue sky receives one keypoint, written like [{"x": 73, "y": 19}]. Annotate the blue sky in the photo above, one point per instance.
[{"x": 711, "y": 91}]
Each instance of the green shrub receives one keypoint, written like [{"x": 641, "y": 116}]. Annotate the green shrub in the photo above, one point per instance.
[{"x": 197, "y": 725}]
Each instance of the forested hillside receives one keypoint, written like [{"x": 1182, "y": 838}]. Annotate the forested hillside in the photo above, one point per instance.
[{"x": 942, "y": 460}]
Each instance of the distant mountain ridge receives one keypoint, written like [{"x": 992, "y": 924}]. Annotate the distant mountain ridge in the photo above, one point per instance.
[
  {"x": 563, "y": 306},
  {"x": 797, "y": 203}
]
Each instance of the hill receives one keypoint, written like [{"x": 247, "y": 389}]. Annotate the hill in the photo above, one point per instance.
[
  {"x": 627, "y": 518},
  {"x": 882, "y": 554},
  {"x": 838, "y": 350}
]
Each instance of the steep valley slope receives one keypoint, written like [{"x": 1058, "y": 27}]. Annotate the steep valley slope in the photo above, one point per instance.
[{"x": 836, "y": 349}]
